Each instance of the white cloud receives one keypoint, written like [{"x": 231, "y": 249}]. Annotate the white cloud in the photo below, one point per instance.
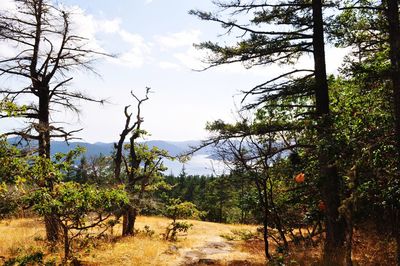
[
  {"x": 85, "y": 25},
  {"x": 178, "y": 39},
  {"x": 88, "y": 26},
  {"x": 7, "y": 51},
  {"x": 131, "y": 38},
  {"x": 138, "y": 53},
  {"x": 191, "y": 58},
  {"x": 133, "y": 58},
  {"x": 168, "y": 65},
  {"x": 110, "y": 26},
  {"x": 194, "y": 58},
  {"x": 7, "y": 5}
]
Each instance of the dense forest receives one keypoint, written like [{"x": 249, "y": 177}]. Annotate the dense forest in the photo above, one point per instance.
[{"x": 312, "y": 158}]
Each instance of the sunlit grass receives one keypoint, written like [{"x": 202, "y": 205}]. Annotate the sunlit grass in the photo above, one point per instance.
[
  {"x": 25, "y": 236},
  {"x": 21, "y": 236}
]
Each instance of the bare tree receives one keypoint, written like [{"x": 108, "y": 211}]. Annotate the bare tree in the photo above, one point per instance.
[
  {"x": 46, "y": 51},
  {"x": 142, "y": 165}
]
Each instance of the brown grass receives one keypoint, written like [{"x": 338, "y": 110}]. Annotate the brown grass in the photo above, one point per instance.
[
  {"x": 370, "y": 248},
  {"x": 20, "y": 235},
  {"x": 25, "y": 236}
]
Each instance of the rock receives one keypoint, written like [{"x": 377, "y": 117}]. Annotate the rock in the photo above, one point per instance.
[
  {"x": 240, "y": 263},
  {"x": 172, "y": 250},
  {"x": 207, "y": 262}
]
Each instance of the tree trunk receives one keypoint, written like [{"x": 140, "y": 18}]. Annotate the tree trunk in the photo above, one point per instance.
[
  {"x": 52, "y": 227},
  {"x": 392, "y": 13},
  {"x": 394, "y": 41},
  {"x": 334, "y": 250},
  {"x": 51, "y": 221},
  {"x": 265, "y": 218},
  {"x": 44, "y": 125},
  {"x": 278, "y": 220},
  {"x": 398, "y": 246},
  {"x": 66, "y": 245},
  {"x": 349, "y": 232},
  {"x": 263, "y": 198},
  {"x": 129, "y": 219},
  {"x": 265, "y": 235}
]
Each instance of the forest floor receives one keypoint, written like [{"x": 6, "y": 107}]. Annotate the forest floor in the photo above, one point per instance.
[{"x": 202, "y": 245}]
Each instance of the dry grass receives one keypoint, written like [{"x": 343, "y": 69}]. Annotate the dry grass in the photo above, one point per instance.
[
  {"x": 24, "y": 236},
  {"x": 21, "y": 236},
  {"x": 130, "y": 251}
]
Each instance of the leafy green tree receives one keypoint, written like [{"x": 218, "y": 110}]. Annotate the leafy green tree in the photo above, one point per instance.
[
  {"x": 372, "y": 28},
  {"x": 78, "y": 208},
  {"x": 14, "y": 177},
  {"x": 176, "y": 209}
]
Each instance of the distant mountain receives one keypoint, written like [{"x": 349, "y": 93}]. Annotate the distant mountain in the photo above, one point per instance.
[
  {"x": 201, "y": 163},
  {"x": 204, "y": 162},
  {"x": 91, "y": 149},
  {"x": 174, "y": 148}
]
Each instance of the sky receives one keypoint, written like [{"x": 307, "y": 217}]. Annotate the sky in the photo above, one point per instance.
[{"x": 152, "y": 41}]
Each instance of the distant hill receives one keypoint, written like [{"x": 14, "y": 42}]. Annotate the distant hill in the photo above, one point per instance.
[
  {"x": 174, "y": 148},
  {"x": 199, "y": 165}
]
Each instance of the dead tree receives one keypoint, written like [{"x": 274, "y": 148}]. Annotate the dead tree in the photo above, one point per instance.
[
  {"x": 142, "y": 165},
  {"x": 45, "y": 51}
]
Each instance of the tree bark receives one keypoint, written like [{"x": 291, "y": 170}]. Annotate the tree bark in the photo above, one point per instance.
[
  {"x": 44, "y": 123},
  {"x": 394, "y": 41},
  {"x": 52, "y": 227},
  {"x": 263, "y": 197},
  {"x": 392, "y": 13},
  {"x": 334, "y": 249},
  {"x": 397, "y": 236},
  {"x": 129, "y": 219},
  {"x": 51, "y": 221},
  {"x": 66, "y": 245}
]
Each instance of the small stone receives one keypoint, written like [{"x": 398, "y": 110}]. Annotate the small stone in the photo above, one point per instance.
[
  {"x": 207, "y": 262},
  {"x": 172, "y": 250}
]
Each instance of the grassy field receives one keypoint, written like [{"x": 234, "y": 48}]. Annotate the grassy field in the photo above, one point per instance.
[{"x": 24, "y": 236}]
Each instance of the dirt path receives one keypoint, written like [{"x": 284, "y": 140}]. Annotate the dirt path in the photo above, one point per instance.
[{"x": 215, "y": 251}]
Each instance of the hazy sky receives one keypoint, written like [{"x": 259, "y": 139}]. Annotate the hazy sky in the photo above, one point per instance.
[{"x": 153, "y": 41}]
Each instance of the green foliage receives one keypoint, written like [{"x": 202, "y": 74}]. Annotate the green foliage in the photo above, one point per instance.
[
  {"x": 146, "y": 231},
  {"x": 78, "y": 208},
  {"x": 36, "y": 258},
  {"x": 225, "y": 198},
  {"x": 73, "y": 202},
  {"x": 10, "y": 108},
  {"x": 14, "y": 174},
  {"x": 13, "y": 164},
  {"x": 174, "y": 228},
  {"x": 8, "y": 202},
  {"x": 176, "y": 209}
]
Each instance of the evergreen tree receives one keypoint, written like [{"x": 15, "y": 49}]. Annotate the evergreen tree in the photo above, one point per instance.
[{"x": 281, "y": 32}]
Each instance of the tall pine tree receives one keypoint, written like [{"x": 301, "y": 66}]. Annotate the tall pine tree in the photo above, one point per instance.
[{"x": 281, "y": 32}]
